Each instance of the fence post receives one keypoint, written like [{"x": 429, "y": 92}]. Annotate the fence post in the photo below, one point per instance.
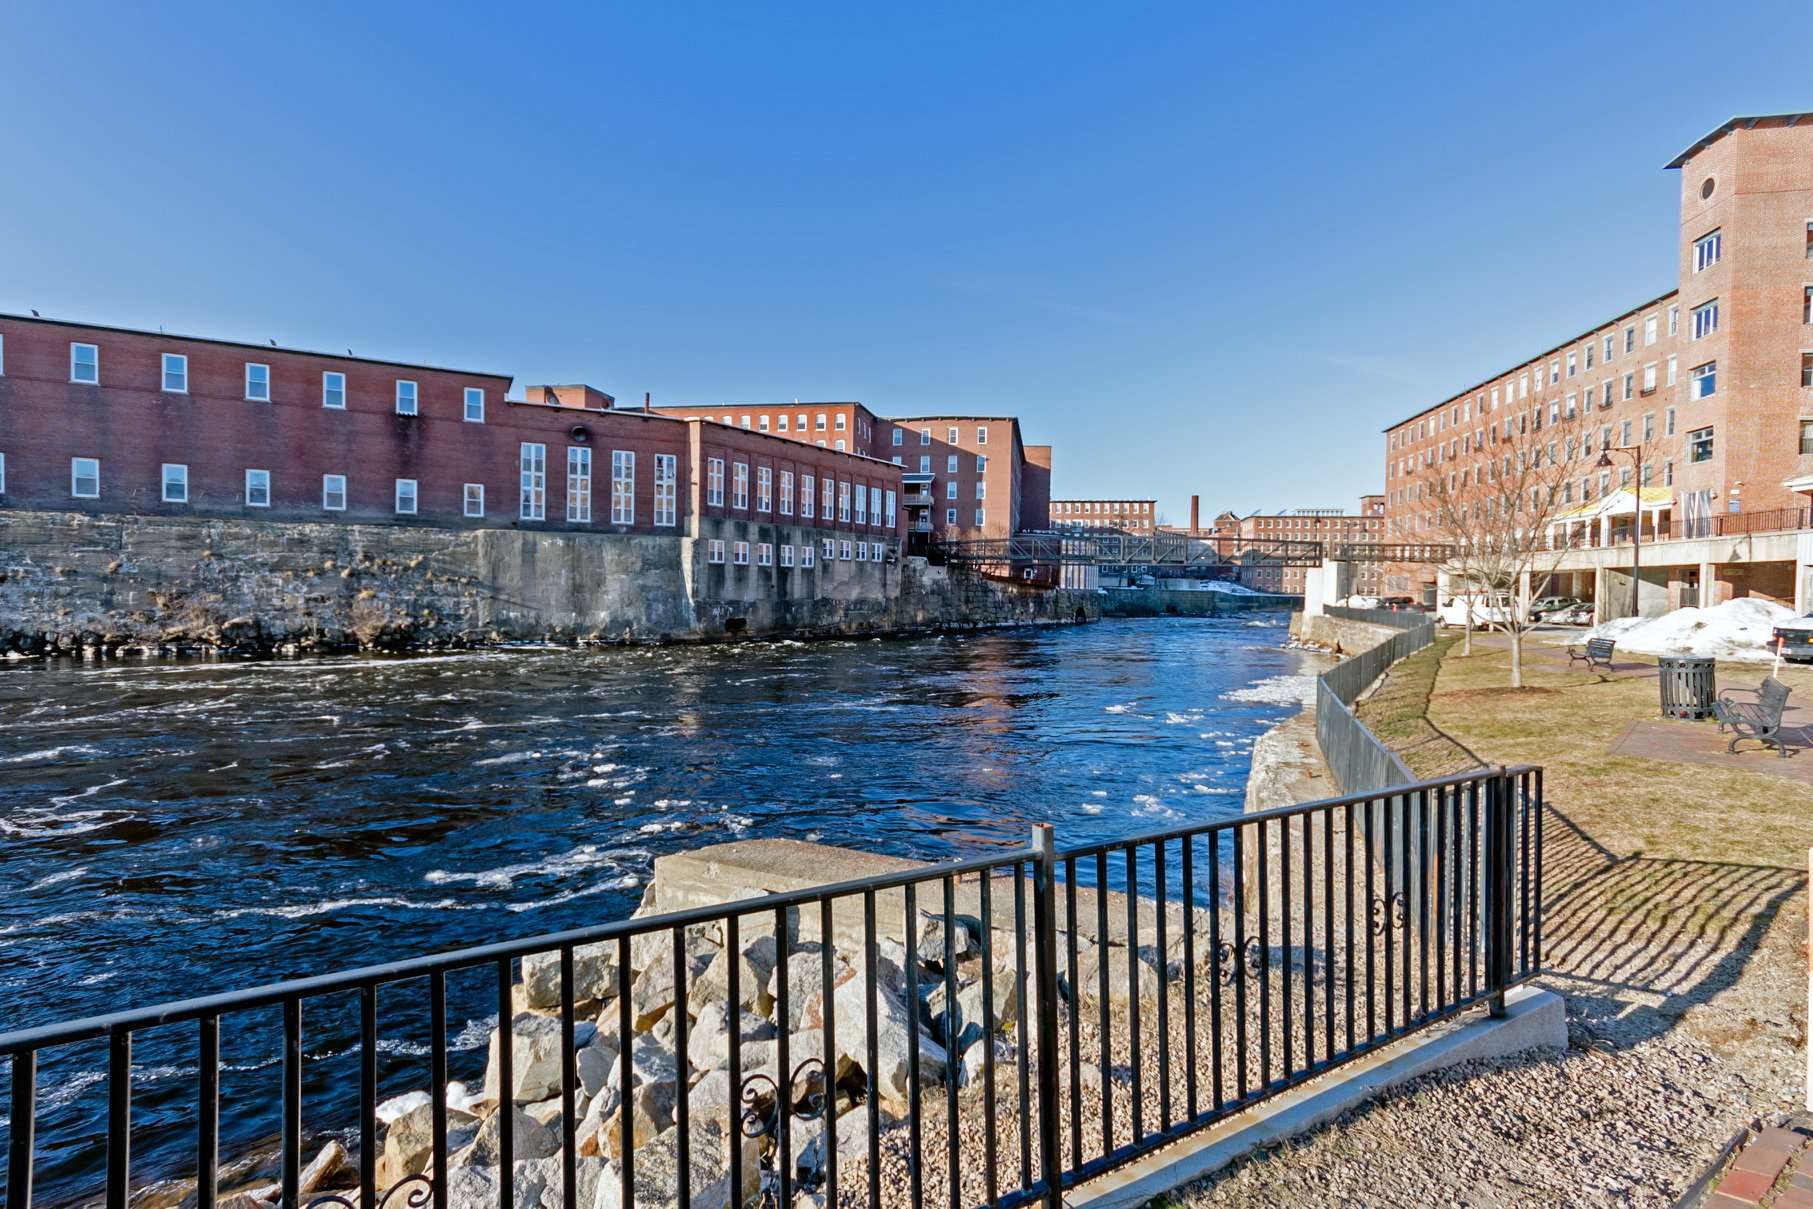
[
  {"x": 1498, "y": 888},
  {"x": 1045, "y": 999}
]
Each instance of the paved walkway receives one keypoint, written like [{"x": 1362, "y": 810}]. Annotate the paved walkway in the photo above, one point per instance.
[{"x": 1774, "y": 1169}]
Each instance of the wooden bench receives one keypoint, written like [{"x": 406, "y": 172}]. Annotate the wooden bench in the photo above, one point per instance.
[
  {"x": 1597, "y": 653},
  {"x": 1761, "y": 719}
]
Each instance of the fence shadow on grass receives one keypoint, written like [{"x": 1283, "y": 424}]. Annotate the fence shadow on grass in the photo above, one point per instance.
[{"x": 1649, "y": 937}]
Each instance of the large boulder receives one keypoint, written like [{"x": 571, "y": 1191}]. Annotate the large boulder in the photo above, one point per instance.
[
  {"x": 805, "y": 984},
  {"x": 708, "y": 1038},
  {"x": 932, "y": 937},
  {"x": 409, "y": 1141},
  {"x": 755, "y": 965},
  {"x": 657, "y": 1173},
  {"x": 534, "y": 1056},
  {"x": 529, "y": 1139},
  {"x": 594, "y": 975}
]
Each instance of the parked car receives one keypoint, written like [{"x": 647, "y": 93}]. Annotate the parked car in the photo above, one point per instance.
[
  {"x": 1455, "y": 611},
  {"x": 1795, "y": 639},
  {"x": 1553, "y": 604},
  {"x": 1400, "y": 604},
  {"x": 1580, "y": 613}
]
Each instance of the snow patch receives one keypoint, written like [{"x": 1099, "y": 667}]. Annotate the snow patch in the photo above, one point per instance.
[{"x": 1738, "y": 630}]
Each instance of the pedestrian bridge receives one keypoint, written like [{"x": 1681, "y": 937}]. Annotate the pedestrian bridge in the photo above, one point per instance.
[{"x": 1119, "y": 548}]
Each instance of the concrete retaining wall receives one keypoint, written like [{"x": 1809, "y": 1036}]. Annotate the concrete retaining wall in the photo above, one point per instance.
[
  {"x": 1170, "y": 602},
  {"x": 71, "y": 582}
]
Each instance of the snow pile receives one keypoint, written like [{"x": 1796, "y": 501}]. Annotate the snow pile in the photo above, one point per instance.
[
  {"x": 1228, "y": 585},
  {"x": 1737, "y": 629}
]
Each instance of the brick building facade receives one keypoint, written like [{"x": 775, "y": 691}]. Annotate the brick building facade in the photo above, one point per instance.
[
  {"x": 110, "y": 420},
  {"x": 1134, "y": 516},
  {"x": 1246, "y": 539},
  {"x": 1713, "y": 380}
]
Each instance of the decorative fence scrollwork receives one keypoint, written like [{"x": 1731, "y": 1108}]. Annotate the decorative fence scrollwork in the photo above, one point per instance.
[{"x": 808, "y": 1092}]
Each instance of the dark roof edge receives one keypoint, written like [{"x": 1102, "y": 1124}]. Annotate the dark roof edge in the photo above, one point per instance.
[{"x": 1745, "y": 120}]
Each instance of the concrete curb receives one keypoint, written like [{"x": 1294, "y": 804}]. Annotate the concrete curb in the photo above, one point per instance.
[{"x": 1534, "y": 1019}]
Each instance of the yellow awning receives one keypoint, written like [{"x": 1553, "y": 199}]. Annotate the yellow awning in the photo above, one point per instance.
[{"x": 1619, "y": 503}]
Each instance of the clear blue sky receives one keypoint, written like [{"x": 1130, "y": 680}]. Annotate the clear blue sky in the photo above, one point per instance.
[{"x": 1197, "y": 248}]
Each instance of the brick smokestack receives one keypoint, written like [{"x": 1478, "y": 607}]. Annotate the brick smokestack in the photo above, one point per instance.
[
  {"x": 1195, "y": 513},
  {"x": 647, "y": 400}
]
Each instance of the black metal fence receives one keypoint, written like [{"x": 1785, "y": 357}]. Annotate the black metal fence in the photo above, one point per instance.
[{"x": 992, "y": 1032}]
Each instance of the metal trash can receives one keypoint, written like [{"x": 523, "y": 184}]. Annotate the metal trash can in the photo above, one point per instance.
[{"x": 1689, "y": 686}]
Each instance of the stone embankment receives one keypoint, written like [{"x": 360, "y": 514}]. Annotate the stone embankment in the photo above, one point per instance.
[{"x": 99, "y": 586}]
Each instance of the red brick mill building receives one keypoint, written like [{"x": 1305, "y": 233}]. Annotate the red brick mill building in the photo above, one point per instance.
[{"x": 110, "y": 420}]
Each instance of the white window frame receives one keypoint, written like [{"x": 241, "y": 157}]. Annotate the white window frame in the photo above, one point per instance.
[
  {"x": 258, "y": 398},
  {"x": 875, "y": 505},
  {"x": 180, "y": 479},
  {"x": 899, "y": 437},
  {"x": 667, "y": 476},
  {"x": 862, "y": 505},
  {"x": 830, "y": 548},
  {"x": 1705, "y": 319},
  {"x": 807, "y": 501},
  {"x": 473, "y": 494},
  {"x": 623, "y": 486},
  {"x": 981, "y": 517},
  {"x": 891, "y": 503},
  {"x": 414, "y": 496},
  {"x": 579, "y": 484},
  {"x": 532, "y": 468},
  {"x": 415, "y": 397},
  {"x": 786, "y": 493},
  {"x": 844, "y": 553},
  {"x": 1695, "y": 391},
  {"x": 174, "y": 365},
  {"x": 75, "y": 364},
  {"x": 332, "y": 379},
  {"x": 764, "y": 489},
  {"x": 1707, "y": 249},
  {"x": 328, "y": 482},
  {"x": 786, "y": 555},
  {"x": 471, "y": 395},
  {"x": 843, "y": 501},
  {"x": 807, "y": 555},
  {"x": 739, "y": 486},
  {"x": 764, "y": 554},
  {"x": 981, "y": 434},
  {"x": 714, "y": 551},
  {"x": 714, "y": 482},
  {"x": 862, "y": 552},
  {"x": 739, "y": 554},
  {"x": 249, "y": 501},
  {"x": 827, "y": 498},
  {"x": 76, "y": 476}
]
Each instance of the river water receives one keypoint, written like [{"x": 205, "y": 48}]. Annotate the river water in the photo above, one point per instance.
[{"x": 171, "y": 829}]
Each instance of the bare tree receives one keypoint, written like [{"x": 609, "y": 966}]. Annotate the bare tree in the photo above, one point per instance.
[{"x": 1492, "y": 508}]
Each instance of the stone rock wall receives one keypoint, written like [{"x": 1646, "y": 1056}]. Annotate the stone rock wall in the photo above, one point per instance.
[{"x": 71, "y": 583}]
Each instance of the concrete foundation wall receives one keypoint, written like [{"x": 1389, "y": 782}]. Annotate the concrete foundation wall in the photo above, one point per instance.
[
  {"x": 1167, "y": 602},
  {"x": 71, "y": 582}
]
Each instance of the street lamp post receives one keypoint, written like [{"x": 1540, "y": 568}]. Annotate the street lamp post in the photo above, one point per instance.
[{"x": 1636, "y": 533}]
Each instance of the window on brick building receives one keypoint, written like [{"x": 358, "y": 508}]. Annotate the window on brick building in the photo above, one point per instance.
[
  {"x": 862, "y": 505},
  {"x": 714, "y": 482},
  {"x": 176, "y": 483},
  {"x": 1806, "y": 305},
  {"x": 821, "y": 421},
  {"x": 780, "y": 423},
  {"x": 897, "y": 437},
  {"x": 475, "y": 405},
  {"x": 1706, "y": 251},
  {"x": 406, "y": 497},
  {"x": 1699, "y": 445},
  {"x": 761, "y": 422},
  {"x": 406, "y": 397},
  {"x": 808, "y": 554},
  {"x": 805, "y": 496},
  {"x": 739, "y": 486},
  {"x": 950, "y": 464},
  {"x": 1609, "y": 347},
  {"x": 534, "y": 486},
  {"x": 862, "y": 552},
  {"x": 786, "y": 556},
  {"x": 1705, "y": 319},
  {"x": 667, "y": 473},
  {"x": 1629, "y": 384},
  {"x": 85, "y": 478},
  {"x": 714, "y": 551},
  {"x": 827, "y": 498},
  {"x": 1630, "y": 338},
  {"x": 1649, "y": 330},
  {"x": 579, "y": 485},
  {"x": 623, "y": 486},
  {"x": 2, "y": 474},
  {"x": 764, "y": 489},
  {"x": 739, "y": 554},
  {"x": 475, "y": 500},
  {"x": 764, "y": 554},
  {"x": 176, "y": 374},
  {"x": 1649, "y": 377},
  {"x": 1806, "y": 437},
  {"x": 1806, "y": 369},
  {"x": 333, "y": 493},
  {"x": 333, "y": 391},
  {"x": 85, "y": 364},
  {"x": 1703, "y": 380},
  {"x": 258, "y": 382},
  {"x": 258, "y": 489},
  {"x": 950, "y": 489},
  {"x": 950, "y": 516}
]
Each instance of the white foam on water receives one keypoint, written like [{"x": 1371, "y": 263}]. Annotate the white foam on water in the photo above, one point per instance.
[
  {"x": 56, "y": 879},
  {"x": 331, "y": 905},
  {"x": 582, "y": 859},
  {"x": 1276, "y": 690},
  {"x": 51, "y": 753}
]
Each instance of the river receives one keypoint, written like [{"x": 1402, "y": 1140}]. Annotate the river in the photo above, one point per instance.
[{"x": 174, "y": 828}]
